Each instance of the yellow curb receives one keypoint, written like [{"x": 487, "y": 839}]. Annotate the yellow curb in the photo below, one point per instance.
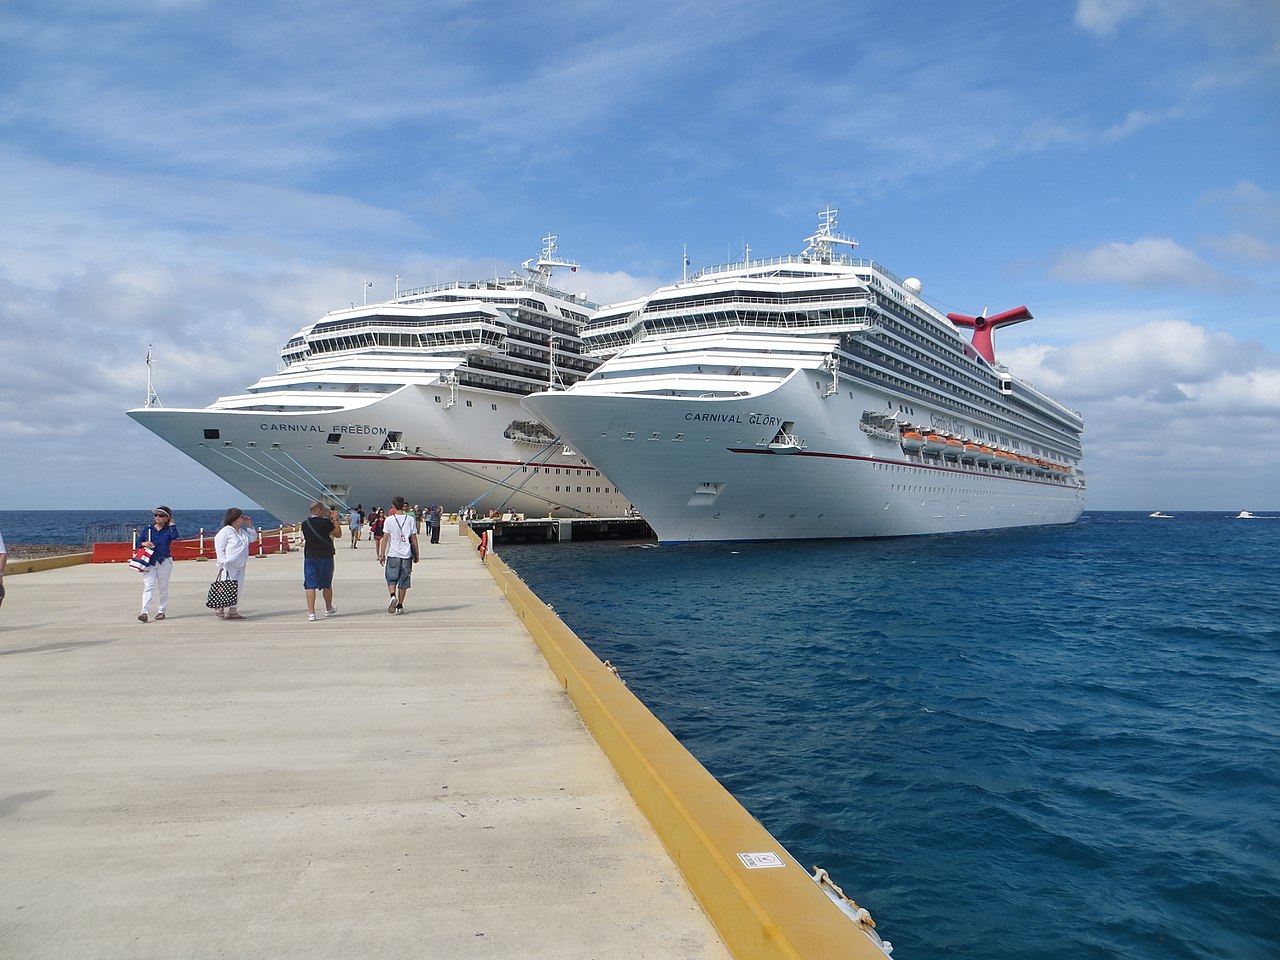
[
  {"x": 46, "y": 563},
  {"x": 775, "y": 913}
]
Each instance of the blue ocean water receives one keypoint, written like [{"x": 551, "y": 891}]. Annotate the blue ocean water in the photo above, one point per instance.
[
  {"x": 72, "y": 526},
  {"x": 1031, "y": 744}
]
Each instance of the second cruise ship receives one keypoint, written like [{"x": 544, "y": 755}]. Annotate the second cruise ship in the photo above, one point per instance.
[{"x": 815, "y": 396}]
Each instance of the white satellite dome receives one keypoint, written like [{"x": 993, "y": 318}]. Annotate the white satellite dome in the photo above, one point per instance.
[{"x": 913, "y": 285}]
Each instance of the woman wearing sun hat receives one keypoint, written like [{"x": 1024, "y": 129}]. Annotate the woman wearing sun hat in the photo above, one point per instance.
[{"x": 155, "y": 579}]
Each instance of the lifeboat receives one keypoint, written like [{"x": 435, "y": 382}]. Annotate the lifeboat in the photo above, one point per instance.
[
  {"x": 971, "y": 451},
  {"x": 912, "y": 441},
  {"x": 986, "y": 454},
  {"x": 934, "y": 445},
  {"x": 954, "y": 448}
]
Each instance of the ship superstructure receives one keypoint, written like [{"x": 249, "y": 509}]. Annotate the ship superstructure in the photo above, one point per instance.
[
  {"x": 416, "y": 396},
  {"x": 814, "y": 395}
]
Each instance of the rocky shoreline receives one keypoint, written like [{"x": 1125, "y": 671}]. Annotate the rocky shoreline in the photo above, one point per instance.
[{"x": 38, "y": 551}]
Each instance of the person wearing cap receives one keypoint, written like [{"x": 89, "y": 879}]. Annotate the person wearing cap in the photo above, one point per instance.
[{"x": 155, "y": 579}]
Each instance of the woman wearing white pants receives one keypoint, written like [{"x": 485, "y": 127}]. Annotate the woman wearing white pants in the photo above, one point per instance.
[
  {"x": 232, "y": 548},
  {"x": 155, "y": 578}
]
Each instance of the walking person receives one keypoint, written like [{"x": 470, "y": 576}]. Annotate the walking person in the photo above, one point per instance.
[
  {"x": 319, "y": 531},
  {"x": 376, "y": 521},
  {"x": 155, "y": 579},
  {"x": 357, "y": 524},
  {"x": 4, "y": 559},
  {"x": 432, "y": 521},
  {"x": 398, "y": 550},
  {"x": 231, "y": 546}
]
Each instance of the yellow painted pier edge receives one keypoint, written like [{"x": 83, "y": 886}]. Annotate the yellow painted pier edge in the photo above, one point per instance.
[
  {"x": 46, "y": 563},
  {"x": 776, "y": 913}
]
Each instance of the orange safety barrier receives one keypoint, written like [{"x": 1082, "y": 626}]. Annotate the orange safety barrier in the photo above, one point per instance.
[{"x": 189, "y": 548}]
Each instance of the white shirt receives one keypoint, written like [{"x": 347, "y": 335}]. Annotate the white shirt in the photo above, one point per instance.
[
  {"x": 232, "y": 545},
  {"x": 398, "y": 528}
]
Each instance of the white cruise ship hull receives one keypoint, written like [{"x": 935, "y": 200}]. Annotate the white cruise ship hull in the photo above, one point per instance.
[
  {"x": 707, "y": 469},
  {"x": 455, "y": 454}
]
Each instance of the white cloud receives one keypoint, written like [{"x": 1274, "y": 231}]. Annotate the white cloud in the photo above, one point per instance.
[
  {"x": 1151, "y": 362},
  {"x": 1176, "y": 415},
  {"x": 1245, "y": 248},
  {"x": 1103, "y": 16},
  {"x": 1149, "y": 262}
]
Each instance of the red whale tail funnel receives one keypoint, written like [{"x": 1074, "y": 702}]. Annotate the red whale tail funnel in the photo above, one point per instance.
[{"x": 984, "y": 326}]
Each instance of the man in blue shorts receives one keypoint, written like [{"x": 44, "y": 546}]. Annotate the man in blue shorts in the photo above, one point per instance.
[
  {"x": 397, "y": 550},
  {"x": 318, "y": 533}
]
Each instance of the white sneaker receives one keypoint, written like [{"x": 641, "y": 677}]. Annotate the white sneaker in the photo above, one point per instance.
[
  {"x": 332, "y": 611},
  {"x": 391, "y": 607},
  {"x": 311, "y": 617}
]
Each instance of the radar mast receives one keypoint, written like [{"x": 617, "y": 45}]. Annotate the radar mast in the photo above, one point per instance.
[
  {"x": 825, "y": 238},
  {"x": 540, "y": 269}
]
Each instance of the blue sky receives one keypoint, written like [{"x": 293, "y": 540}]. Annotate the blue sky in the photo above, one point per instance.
[{"x": 207, "y": 177}]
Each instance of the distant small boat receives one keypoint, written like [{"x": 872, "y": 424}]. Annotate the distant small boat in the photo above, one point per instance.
[
  {"x": 1246, "y": 515},
  {"x": 1160, "y": 516}
]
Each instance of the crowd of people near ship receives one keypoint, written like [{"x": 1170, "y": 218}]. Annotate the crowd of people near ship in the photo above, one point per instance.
[{"x": 393, "y": 530}]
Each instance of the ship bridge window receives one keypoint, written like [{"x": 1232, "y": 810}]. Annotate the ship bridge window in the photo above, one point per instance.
[{"x": 213, "y": 434}]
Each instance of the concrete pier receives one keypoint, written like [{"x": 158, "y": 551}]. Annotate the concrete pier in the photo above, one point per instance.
[{"x": 365, "y": 785}]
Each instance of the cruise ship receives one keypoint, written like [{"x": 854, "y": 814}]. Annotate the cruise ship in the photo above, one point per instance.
[
  {"x": 417, "y": 396},
  {"x": 815, "y": 396}
]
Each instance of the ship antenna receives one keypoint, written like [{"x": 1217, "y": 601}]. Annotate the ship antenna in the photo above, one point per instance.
[
  {"x": 152, "y": 399},
  {"x": 540, "y": 269},
  {"x": 825, "y": 237}
]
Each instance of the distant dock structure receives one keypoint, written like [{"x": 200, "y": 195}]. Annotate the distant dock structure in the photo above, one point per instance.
[{"x": 516, "y": 528}]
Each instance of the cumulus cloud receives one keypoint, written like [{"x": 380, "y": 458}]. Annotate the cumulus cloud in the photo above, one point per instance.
[
  {"x": 1166, "y": 403},
  {"x": 1146, "y": 263},
  {"x": 1156, "y": 361},
  {"x": 1103, "y": 16}
]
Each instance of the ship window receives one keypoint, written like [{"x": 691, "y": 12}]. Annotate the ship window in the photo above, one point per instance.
[
  {"x": 468, "y": 403},
  {"x": 334, "y": 438},
  {"x": 437, "y": 398},
  {"x": 213, "y": 434}
]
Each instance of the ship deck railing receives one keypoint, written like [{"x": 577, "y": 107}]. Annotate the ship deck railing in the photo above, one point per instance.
[{"x": 842, "y": 261}]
